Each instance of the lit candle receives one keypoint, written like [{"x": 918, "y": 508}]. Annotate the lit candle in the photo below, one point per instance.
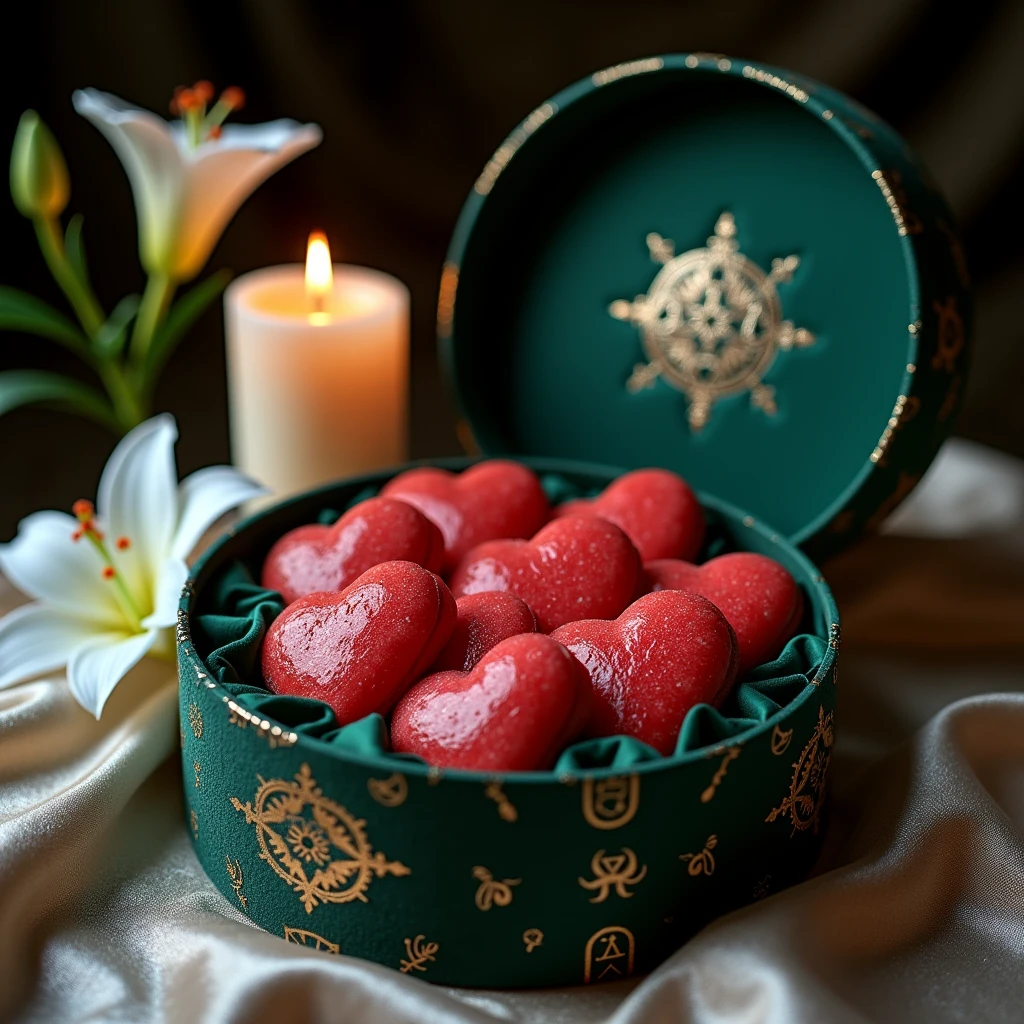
[{"x": 318, "y": 369}]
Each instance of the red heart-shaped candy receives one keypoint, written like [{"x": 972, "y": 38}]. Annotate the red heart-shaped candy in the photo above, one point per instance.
[
  {"x": 489, "y": 500},
  {"x": 757, "y": 595},
  {"x": 360, "y": 649},
  {"x": 664, "y": 654},
  {"x": 654, "y": 508},
  {"x": 514, "y": 711},
  {"x": 577, "y": 567},
  {"x": 318, "y": 558},
  {"x": 484, "y": 620}
]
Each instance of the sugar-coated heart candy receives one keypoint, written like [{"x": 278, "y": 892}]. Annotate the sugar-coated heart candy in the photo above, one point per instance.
[
  {"x": 360, "y": 649},
  {"x": 490, "y": 500},
  {"x": 317, "y": 558},
  {"x": 654, "y": 507},
  {"x": 757, "y": 595},
  {"x": 667, "y": 652},
  {"x": 576, "y": 567},
  {"x": 483, "y": 621},
  {"x": 513, "y": 711}
]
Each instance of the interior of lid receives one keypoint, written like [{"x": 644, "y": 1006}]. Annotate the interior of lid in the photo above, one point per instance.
[{"x": 541, "y": 366}]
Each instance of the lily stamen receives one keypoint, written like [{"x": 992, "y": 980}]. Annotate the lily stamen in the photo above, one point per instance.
[
  {"x": 190, "y": 105},
  {"x": 85, "y": 513}
]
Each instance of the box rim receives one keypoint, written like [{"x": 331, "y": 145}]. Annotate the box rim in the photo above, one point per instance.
[{"x": 190, "y": 662}]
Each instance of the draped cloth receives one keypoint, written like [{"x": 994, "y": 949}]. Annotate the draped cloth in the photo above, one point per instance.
[{"x": 914, "y": 912}]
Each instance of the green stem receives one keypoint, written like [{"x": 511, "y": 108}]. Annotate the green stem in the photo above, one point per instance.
[
  {"x": 84, "y": 303},
  {"x": 156, "y": 300},
  {"x": 128, "y": 406}
]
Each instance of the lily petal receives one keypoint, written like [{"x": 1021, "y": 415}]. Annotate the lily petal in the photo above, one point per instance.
[
  {"x": 204, "y": 497},
  {"x": 46, "y": 564},
  {"x": 35, "y": 639},
  {"x": 138, "y": 499},
  {"x": 168, "y": 594},
  {"x": 101, "y": 662}
]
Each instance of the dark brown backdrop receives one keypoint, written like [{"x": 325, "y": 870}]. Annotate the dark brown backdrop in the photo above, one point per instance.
[{"x": 413, "y": 98}]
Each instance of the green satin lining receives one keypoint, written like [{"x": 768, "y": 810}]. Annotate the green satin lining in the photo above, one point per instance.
[{"x": 229, "y": 635}]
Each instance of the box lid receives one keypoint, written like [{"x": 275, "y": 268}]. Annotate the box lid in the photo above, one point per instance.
[{"x": 721, "y": 268}]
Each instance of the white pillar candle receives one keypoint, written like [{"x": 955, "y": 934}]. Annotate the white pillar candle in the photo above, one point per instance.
[{"x": 318, "y": 372}]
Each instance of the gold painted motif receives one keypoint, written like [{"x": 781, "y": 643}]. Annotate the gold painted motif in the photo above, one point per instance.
[
  {"x": 532, "y": 938},
  {"x": 195, "y": 720},
  {"x": 716, "y": 780},
  {"x": 612, "y": 802},
  {"x": 950, "y": 335},
  {"x": 952, "y": 399},
  {"x": 807, "y": 787},
  {"x": 491, "y": 892},
  {"x": 702, "y": 863},
  {"x": 390, "y": 792},
  {"x": 627, "y": 70},
  {"x": 197, "y": 768},
  {"x": 617, "y": 871},
  {"x": 193, "y": 820},
  {"x": 301, "y": 833},
  {"x": 711, "y": 322},
  {"x": 235, "y": 874},
  {"x": 781, "y": 739},
  {"x": 609, "y": 954},
  {"x": 304, "y": 937},
  {"x": 506, "y": 809},
  {"x": 789, "y": 88},
  {"x": 419, "y": 953}
]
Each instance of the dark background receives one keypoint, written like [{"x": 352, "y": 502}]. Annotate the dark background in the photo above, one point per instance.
[{"x": 413, "y": 98}]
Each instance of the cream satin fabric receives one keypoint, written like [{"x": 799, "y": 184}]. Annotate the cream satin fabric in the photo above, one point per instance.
[{"x": 916, "y": 912}]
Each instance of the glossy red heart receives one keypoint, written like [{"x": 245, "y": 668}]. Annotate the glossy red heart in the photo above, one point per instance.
[
  {"x": 664, "y": 654},
  {"x": 492, "y": 499},
  {"x": 654, "y": 508},
  {"x": 484, "y": 620},
  {"x": 513, "y": 711},
  {"x": 361, "y": 648},
  {"x": 757, "y": 595},
  {"x": 317, "y": 558},
  {"x": 577, "y": 567}
]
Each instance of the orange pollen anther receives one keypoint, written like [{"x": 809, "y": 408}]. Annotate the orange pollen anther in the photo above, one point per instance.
[
  {"x": 84, "y": 510},
  {"x": 108, "y": 572},
  {"x": 123, "y": 543},
  {"x": 77, "y": 535},
  {"x": 185, "y": 100},
  {"x": 233, "y": 97},
  {"x": 203, "y": 90},
  {"x": 215, "y": 132}
]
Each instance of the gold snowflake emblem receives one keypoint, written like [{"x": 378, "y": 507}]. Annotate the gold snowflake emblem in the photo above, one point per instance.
[
  {"x": 308, "y": 841},
  {"x": 711, "y": 322}
]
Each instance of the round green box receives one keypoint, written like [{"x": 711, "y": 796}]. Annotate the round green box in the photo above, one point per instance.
[{"x": 531, "y": 879}]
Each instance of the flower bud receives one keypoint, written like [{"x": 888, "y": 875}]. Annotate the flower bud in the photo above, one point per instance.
[{"x": 39, "y": 175}]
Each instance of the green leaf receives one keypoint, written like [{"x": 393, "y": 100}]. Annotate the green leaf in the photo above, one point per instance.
[
  {"x": 183, "y": 314},
  {"x": 114, "y": 333},
  {"x": 37, "y": 387},
  {"x": 74, "y": 249},
  {"x": 20, "y": 311}
]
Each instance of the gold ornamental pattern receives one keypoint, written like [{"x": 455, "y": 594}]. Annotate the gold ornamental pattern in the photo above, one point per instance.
[
  {"x": 313, "y": 843},
  {"x": 711, "y": 322},
  {"x": 807, "y": 787}
]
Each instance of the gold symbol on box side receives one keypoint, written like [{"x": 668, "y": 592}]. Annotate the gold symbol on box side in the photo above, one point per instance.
[
  {"x": 389, "y": 792},
  {"x": 781, "y": 739},
  {"x": 313, "y": 843},
  {"x": 711, "y": 322},
  {"x": 609, "y": 955},
  {"x": 419, "y": 953},
  {"x": 613, "y": 871},
  {"x": 702, "y": 863},
  {"x": 807, "y": 787},
  {"x": 506, "y": 809},
  {"x": 235, "y": 874},
  {"x": 195, "y": 720},
  {"x": 716, "y": 780},
  {"x": 532, "y": 938},
  {"x": 304, "y": 937},
  {"x": 492, "y": 892},
  {"x": 612, "y": 802}
]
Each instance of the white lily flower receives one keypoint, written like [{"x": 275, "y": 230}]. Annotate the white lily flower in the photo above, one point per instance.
[
  {"x": 106, "y": 585},
  {"x": 186, "y": 193}
]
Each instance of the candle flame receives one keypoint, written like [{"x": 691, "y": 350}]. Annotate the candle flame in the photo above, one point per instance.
[{"x": 319, "y": 275}]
